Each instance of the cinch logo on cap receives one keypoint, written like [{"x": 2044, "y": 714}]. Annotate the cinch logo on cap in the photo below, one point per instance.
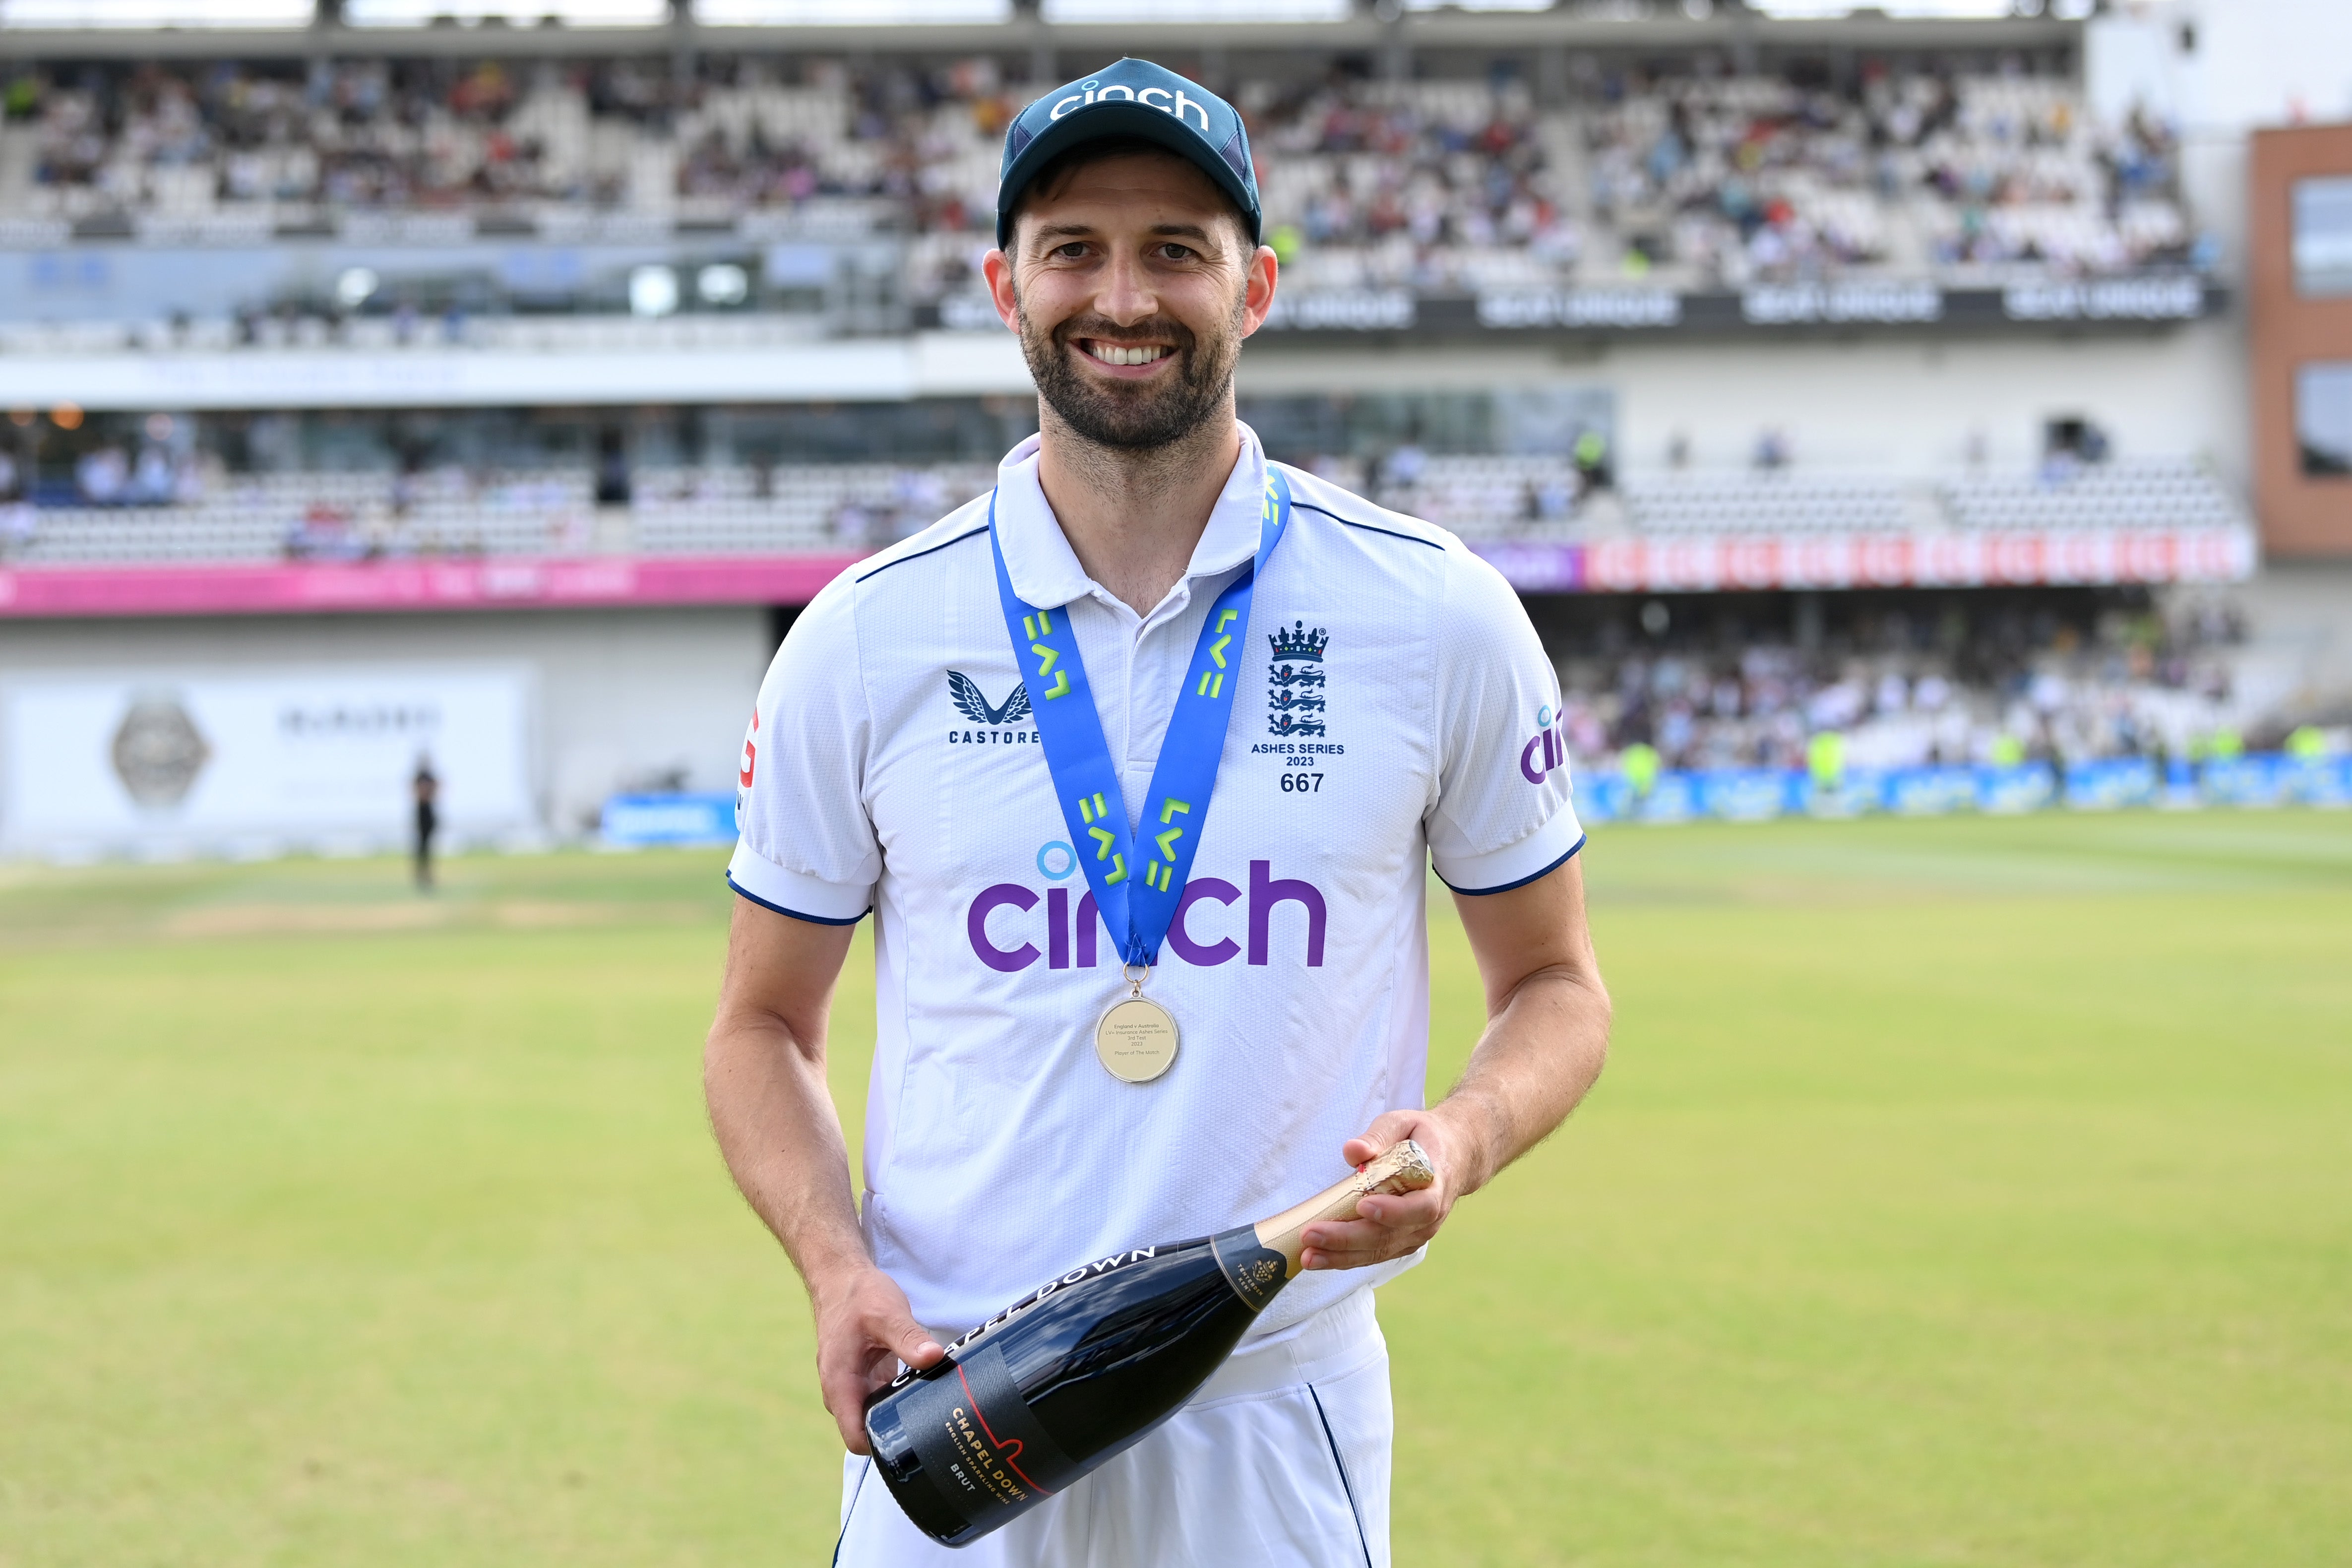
[
  {"x": 1159, "y": 97},
  {"x": 1131, "y": 98}
]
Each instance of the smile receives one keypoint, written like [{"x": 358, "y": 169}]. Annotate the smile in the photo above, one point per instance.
[{"x": 1123, "y": 353}]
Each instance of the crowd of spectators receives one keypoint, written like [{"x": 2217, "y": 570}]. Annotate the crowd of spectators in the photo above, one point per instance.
[
  {"x": 1754, "y": 177},
  {"x": 1433, "y": 183},
  {"x": 2022, "y": 686}
]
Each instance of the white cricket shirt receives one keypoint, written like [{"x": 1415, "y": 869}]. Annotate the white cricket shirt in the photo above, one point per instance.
[{"x": 1396, "y": 709}]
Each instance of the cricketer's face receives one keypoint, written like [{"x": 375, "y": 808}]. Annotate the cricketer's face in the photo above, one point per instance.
[{"x": 1132, "y": 287}]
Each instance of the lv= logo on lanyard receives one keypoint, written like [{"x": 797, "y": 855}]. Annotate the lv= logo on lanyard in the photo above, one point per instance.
[{"x": 1137, "y": 1038}]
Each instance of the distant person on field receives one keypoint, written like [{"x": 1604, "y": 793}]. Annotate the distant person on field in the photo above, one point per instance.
[{"x": 427, "y": 789}]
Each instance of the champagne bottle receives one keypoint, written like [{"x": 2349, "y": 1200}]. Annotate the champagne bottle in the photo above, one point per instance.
[{"x": 1086, "y": 1366}]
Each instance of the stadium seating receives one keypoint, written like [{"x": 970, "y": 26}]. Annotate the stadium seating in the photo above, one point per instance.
[
  {"x": 2176, "y": 495},
  {"x": 1774, "y": 503},
  {"x": 815, "y": 507},
  {"x": 741, "y": 510},
  {"x": 2011, "y": 687},
  {"x": 1439, "y": 185},
  {"x": 675, "y": 512}
]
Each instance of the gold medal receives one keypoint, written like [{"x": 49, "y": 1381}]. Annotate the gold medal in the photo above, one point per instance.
[{"x": 1136, "y": 1037}]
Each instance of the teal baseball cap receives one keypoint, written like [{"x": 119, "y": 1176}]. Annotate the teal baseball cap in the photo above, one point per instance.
[{"x": 1131, "y": 98}]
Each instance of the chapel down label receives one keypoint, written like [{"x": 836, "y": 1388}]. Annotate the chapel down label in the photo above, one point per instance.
[{"x": 1084, "y": 1367}]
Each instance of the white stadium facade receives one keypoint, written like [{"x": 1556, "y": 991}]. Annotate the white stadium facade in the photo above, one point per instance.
[{"x": 388, "y": 380}]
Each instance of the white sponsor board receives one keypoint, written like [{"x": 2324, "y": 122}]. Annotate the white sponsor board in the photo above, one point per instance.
[{"x": 101, "y": 763}]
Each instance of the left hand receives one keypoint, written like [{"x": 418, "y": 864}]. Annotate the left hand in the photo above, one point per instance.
[{"x": 1391, "y": 1226}]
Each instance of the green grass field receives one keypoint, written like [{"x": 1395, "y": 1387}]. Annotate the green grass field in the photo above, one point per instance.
[{"x": 1965, "y": 1192}]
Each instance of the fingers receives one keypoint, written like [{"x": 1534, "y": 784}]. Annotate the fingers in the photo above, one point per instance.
[
  {"x": 1356, "y": 1244},
  {"x": 1388, "y": 1228},
  {"x": 851, "y": 1365},
  {"x": 1389, "y": 1129},
  {"x": 1392, "y": 1128},
  {"x": 1403, "y": 1211},
  {"x": 914, "y": 1344},
  {"x": 862, "y": 1335},
  {"x": 845, "y": 1390}
]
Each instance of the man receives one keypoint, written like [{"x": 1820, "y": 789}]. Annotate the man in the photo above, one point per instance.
[
  {"x": 1390, "y": 706},
  {"x": 424, "y": 791}
]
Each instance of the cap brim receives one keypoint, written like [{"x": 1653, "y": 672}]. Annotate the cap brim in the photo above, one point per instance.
[{"x": 1096, "y": 122}]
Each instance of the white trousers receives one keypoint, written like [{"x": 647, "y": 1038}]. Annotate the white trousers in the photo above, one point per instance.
[{"x": 1280, "y": 1461}]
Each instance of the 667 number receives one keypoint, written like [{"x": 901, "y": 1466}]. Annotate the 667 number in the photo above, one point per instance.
[{"x": 1302, "y": 784}]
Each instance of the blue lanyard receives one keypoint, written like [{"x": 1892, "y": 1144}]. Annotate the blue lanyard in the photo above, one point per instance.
[{"x": 1136, "y": 888}]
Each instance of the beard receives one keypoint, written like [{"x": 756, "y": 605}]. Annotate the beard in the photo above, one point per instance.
[{"x": 1128, "y": 417}]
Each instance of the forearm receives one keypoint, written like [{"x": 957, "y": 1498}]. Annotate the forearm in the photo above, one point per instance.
[
  {"x": 1542, "y": 1048},
  {"x": 763, "y": 1074},
  {"x": 782, "y": 1139}
]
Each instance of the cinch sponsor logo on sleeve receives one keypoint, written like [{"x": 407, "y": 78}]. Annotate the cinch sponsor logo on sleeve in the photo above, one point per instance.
[
  {"x": 1545, "y": 751},
  {"x": 747, "y": 767},
  {"x": 1003, "y": 922}
]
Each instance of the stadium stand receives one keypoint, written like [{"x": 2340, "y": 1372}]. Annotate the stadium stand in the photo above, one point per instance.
[
  {"x": 1437, "y": 186},
  {"x": 2020, "y": 682},
  {"x": 741, "y": 510},
  {"x": 2066, "y": 494},
  {"x": 1751, "y": 177},
  {"x": 505, "y": 318},
  {"x": 747, "y": 508},
  {"x": 1775, "y": 503},
  {"x": 733, "y": 510}
]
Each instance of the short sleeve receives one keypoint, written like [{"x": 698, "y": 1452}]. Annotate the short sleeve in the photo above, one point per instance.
[
  {"x": 1503, "y": 814},
  {"x": 807, "y": 846}
]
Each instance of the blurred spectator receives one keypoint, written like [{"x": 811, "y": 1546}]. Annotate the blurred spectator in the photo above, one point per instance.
[
  {"x": 102, "y": 475},
  {"x": 324, "y": 532},
  {"x": 1403, "y": 466},
  {"x": 154, "y": 478},
  {"x": 1591, "y": 456}
]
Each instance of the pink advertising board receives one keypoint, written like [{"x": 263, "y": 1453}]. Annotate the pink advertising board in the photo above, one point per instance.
[
  {"x": 1698, "y": 564},
  {"x": 495, "y": 584}
]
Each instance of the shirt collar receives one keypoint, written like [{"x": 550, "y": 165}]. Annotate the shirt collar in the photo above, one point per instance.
[{"x": 1044, "y": 569}]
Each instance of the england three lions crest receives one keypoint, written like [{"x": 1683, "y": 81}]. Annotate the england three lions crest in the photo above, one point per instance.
[{"x": 1294, "y": 681}]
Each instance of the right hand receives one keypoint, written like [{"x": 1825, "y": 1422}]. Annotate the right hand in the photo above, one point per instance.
[{"x": 863, "y": 1330}]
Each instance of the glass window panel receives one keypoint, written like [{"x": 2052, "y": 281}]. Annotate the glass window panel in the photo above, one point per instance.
[
  {"x": 2322, "y": 418},
  {"x": 1793, "y": 9},
  {"x": 65, "y": 14},
  {"x": 2323, "y": 236},
  {"x": 1061, "y": 11},
  {"x": 863, "y": 12},
  {"x": 519, "y": 13}
]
